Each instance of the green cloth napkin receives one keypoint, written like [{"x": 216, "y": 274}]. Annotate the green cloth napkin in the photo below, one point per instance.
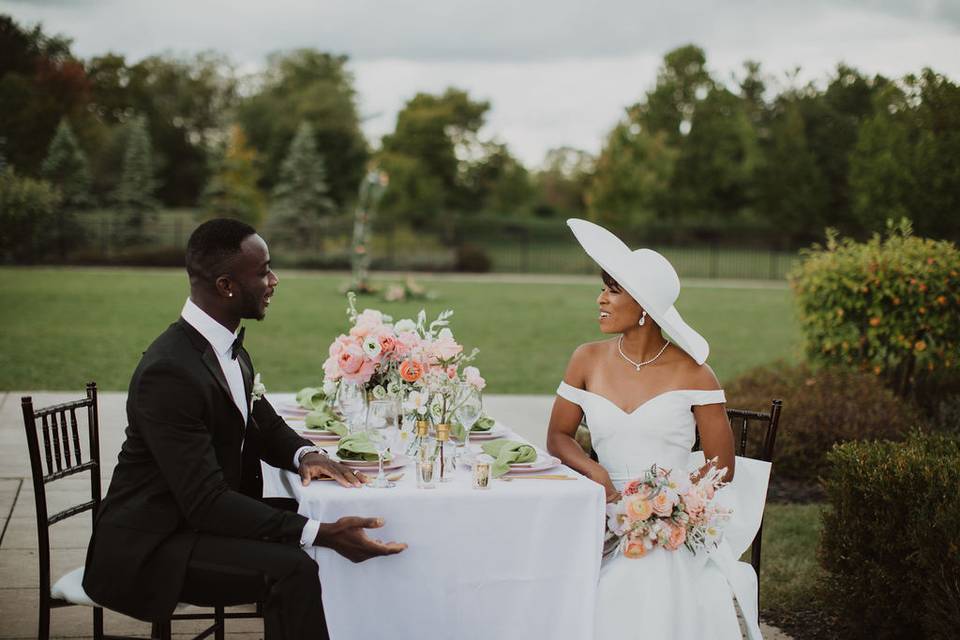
[
  {"x": 311, "y": 398},
  {"x": 507, "y": 452},
  {"x": 323, "y": 419},
  {"x": 485, "y": 423},
  {"x": 357, "y": 446}
]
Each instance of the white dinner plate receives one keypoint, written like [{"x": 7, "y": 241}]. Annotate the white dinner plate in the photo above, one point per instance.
[
  {"x": 491, "y": 434},
  {"x": 542, "y": 463},
  {"x": 366, "y": 465},
  {"x": 291, "y": 409}
]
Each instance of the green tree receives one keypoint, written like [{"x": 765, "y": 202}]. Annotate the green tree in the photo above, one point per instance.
[
  {"x": 561, "y": 185},
  {"x": 682, "y": 82},
  {"x": 435, "y": 137},
  {"x": 300, "y": 197},
  {"x": 232, "y": 191},
  {"x": 713, "y": 175},
  {"x": 632, "y": 177},
  {"x": 185, "y": 102},
  {"x": 66, "y": 168},
  {"x": 40, "y": 83},
  {"x": 905, "y": 157},
  {"x": 497, "y": 182},
  {"x": 27, "y": 216},
  {"x": 791, "y": 191},
  {"x": 832, "y": 120},
  {"x": 308, "y": 86},
  {"x": 134, "y": 195}
]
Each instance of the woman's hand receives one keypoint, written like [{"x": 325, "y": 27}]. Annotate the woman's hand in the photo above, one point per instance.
[{"x": 599, "y": 475}]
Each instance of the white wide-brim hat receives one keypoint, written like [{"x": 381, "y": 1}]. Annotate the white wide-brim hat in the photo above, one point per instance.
[{"x": 648, "y": 277}]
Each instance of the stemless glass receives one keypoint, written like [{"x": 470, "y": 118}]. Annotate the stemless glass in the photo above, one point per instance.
[
  {"x": 350, "y": 402},
  {"x": 381, "y": 425},
  {"x": 468, "y": 406}
]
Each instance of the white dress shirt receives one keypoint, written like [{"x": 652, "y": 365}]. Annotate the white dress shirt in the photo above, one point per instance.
[{"x": 221, "y": 339}]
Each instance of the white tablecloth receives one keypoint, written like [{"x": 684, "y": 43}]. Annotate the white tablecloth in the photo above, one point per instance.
[{"x": 518, "y": 560}]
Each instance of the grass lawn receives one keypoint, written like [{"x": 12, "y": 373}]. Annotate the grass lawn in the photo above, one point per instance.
[
  {"x": 788, "y": 568},
  {"x": 68, "y": 326}
]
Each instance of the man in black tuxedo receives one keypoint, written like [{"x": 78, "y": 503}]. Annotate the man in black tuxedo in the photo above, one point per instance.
[{"x": 183, "y": 520}]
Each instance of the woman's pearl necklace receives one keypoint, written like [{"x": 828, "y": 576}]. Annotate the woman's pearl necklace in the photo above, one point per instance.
[{"x": 645, "y": 362}]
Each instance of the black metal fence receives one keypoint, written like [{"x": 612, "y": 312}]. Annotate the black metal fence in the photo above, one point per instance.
[{"x": 490, "y": 245}]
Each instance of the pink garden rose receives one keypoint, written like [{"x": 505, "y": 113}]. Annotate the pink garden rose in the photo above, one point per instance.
[
  {"x": 368, "y": 322},
  {"x": 338, "y": 345},
  {"x": 354, "y": 365},
  {"x": 331, "y": 368}
]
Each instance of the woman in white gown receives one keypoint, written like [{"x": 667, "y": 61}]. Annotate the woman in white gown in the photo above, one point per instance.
[{"x": 644, "y": 397}]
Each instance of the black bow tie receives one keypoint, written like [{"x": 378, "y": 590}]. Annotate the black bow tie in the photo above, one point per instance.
[{"x": 237, "y": 344}]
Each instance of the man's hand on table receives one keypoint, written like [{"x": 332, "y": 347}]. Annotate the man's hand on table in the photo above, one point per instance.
[
  {"x": 314, "y": 465},
  {"x": 347, "y": 537}
]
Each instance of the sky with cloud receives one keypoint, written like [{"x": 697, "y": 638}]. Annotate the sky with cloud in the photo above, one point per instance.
[{"x": 557, "y": 72}]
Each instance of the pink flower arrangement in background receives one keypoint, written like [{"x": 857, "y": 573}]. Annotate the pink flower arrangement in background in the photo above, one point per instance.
[{"x": 665, "y": 509}]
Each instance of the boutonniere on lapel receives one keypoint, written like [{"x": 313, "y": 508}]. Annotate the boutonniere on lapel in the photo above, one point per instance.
[{"x": 257, "y": 389}]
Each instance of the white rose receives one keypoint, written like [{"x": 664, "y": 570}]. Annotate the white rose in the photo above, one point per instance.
[{"x": 371, "y": 347}]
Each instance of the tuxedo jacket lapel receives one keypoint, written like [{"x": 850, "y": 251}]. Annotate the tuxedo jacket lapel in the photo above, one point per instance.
[
  {"x": 213, "y": 365},
  {"x": 247, "y": 371}
]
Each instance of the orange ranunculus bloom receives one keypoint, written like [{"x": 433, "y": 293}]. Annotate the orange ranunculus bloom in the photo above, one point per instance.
[
  {"x": 411, "y": 370},
  {"x": 635, "y": 549},
  {"x": 874, "y": 322},
  {"x": 920, "y": 346}
]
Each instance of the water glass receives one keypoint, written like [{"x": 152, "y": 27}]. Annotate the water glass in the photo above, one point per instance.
[
  {"x": 351, "y": 403},
  {"x": 467, "y": 409},
  {"x": 381, "y": 426}
]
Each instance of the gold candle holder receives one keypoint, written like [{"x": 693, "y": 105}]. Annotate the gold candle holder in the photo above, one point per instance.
[
  {"x": 443, "y": 435},
  {"x": 425, "y": 474},
  {"x": 481, "y": 475}
]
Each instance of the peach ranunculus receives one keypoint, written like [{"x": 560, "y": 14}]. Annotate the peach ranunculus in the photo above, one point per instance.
[
  {"x": 638, "y": 508},
  {"x": 676, "y": 538},
  {"x": 473, "y": 377},
  {"x": 635, "y": 549},
  {"x": 355, "y": 366},
  {"x": 444, "y": 347},
  {"x": 411, "y": 370},
  {"x": 662, "y": 504}
]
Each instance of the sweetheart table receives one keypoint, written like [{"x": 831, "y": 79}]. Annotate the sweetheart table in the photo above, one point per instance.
[{"x": 517, "y": 560}]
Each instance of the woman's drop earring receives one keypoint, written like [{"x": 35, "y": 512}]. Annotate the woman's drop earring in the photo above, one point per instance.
[{"x": 643, "y": 318}]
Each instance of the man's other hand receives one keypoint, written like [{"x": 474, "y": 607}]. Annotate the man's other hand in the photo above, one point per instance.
[{"x": 347, "y": 537}]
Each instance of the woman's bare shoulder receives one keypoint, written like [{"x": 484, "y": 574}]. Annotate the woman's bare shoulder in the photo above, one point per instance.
[
  {"x": 691, "y": 375},
  {"x": 583, "y": 360}
]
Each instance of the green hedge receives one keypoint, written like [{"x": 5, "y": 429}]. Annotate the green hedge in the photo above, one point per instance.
[
  {"x": 890, "y": 540},
  {"x": 890, "y": 305},
  {"x": 821, "y": 407}
]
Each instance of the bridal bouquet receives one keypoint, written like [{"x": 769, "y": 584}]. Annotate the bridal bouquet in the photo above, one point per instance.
[
  {"x": 413, "y": 361},
  {"x": 663, "y": 508}
]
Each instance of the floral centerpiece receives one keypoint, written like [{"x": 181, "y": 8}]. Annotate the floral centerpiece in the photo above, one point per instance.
[
  {"x": 417, "y": 363},
  {"x": 666, "y": 509}
]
